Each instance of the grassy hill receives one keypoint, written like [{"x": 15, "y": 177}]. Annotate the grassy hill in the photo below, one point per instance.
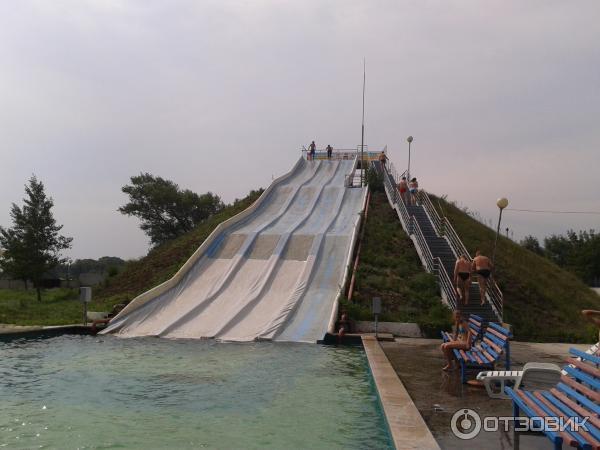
[
  {"x": 60, "y": 306},
  {"x": 164, "y": 261},
  {"x": 542, "y": 301}
]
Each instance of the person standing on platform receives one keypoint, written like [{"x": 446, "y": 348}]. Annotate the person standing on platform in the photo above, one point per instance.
[
  {"x": 382, "y": 159},
  {"x": 312, "y": 149},
  {"x": 329, "y": 151}
]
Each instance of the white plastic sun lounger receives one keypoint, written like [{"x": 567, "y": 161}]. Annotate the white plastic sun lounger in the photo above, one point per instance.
[{"x": 533, "y": 376}]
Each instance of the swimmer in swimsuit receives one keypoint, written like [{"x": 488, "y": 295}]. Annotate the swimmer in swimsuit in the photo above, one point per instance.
[
  {"x": 403, "y": 188},
  {"x": 461, "y": 341},
  {"x": 482, "y": 266},
  {"x": 462, "y": 278}
]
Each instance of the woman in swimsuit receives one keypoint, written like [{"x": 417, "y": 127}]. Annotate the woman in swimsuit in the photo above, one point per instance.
[
  {"x": 462, "y": 278},
  {"x": 461, "y": 341}
]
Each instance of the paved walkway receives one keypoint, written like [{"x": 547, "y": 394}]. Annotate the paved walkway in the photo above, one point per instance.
[
  {"x": 437, "y": 394},
  {"x": 407, "y": 427}
]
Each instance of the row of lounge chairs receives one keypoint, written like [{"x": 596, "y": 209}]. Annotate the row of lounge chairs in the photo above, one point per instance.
[{"x": 569, "y": 396}]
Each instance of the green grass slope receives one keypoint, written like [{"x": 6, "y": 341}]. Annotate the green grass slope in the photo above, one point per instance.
[
  {"x": 164, "y": 261},
  {"x": 541, "y": 301},
  {"x": 390, "y": 268},
  {"x": 60, "y": 306}
]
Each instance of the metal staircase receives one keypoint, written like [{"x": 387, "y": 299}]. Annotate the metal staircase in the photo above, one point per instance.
[{"x": 438, "y": 246}]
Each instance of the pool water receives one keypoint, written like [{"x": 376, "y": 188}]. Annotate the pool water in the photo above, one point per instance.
[{"x": 81, "y": 392}]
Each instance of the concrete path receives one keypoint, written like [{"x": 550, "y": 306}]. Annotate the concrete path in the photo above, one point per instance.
[
  {"x": 438, "y": 394},
  {"x": 407, "y": 427}
]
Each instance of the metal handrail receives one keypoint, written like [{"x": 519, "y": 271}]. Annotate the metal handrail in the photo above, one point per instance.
[
  {"x": 410, "y": 224},
  {"x": 423, "y": 247},
  {"x": 446, "y": 284},
  {"x": 445, "y": 229},
  {"x": 437, "y": 222},
  {"x": 434, "y": 265}
]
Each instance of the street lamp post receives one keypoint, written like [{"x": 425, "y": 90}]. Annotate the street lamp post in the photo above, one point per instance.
[
  {"x": 501, "y": 203},
  {"x": 409, "y": 140}
]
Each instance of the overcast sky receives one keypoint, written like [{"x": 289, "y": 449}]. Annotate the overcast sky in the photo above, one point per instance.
[{"x": 502, "y": 97}]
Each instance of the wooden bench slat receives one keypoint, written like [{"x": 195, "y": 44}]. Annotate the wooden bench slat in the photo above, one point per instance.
[
  {"x": 581, "y": 435},
  {"x": 516, "y": 398},
  {"x": 592, "y": 371},
  {"x": 492, "y": 344},
  {"x": 566, "y": 413},
  {"x": 582, "y": 411},
  {"x": 567, "y": 438},
  {"x": 493, "y": 355},
  {"x": 589, "y": 380},
  {"x": 570, "y": 386},
  {"x": 499, "y": 329},
  {"x": 583, "y": 355},
  {"x": 495, "y": 339}
]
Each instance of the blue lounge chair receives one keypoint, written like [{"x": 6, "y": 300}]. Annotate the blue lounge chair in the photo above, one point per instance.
[
  {"x": 485, "y": 353},
  {"x": 476, "y": 326},
  {"x": 577, "y": 396}
]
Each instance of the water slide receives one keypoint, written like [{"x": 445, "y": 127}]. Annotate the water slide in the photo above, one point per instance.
[{"x": 273, "y": 272}]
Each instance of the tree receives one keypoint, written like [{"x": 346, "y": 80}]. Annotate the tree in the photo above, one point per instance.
[
  {"x": 576, "y": 252},
  {"x": 531, "y": 243},
  {"x": 166, "y": 211},
  {"x": 32, "y": 246}
]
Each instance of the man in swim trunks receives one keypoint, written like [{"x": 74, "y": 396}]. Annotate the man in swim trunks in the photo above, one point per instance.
[
  {"x": 462, "y": 278},
  {"x": 482, "y": 266}
]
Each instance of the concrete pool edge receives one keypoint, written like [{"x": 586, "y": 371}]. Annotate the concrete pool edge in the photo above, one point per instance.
[{"x": 405, "y": 423}]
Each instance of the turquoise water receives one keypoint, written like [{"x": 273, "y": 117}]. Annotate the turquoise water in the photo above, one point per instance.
[{"x": 87, "y": 392}]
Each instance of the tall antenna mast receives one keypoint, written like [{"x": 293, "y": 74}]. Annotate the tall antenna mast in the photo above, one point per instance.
[{"x": 362, "y": 139}]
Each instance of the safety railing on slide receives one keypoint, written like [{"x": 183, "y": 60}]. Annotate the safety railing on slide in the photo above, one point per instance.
[{"x": 444, "y": 228}]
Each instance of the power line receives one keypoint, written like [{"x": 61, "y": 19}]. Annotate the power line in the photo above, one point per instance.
[{"x": 553, "y": 212}]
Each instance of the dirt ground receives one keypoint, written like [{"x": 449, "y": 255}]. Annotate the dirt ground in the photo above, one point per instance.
[{"x": 438, "y": 394}]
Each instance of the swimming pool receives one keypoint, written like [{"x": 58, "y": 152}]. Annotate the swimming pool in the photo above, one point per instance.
[{"x": 106, "y": 392}]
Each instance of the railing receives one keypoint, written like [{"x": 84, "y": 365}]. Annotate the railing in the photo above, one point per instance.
[
  {"x": 422, "y": 244},
  {"x": 343, "y": 153},
  {"x": 446, "y": 284},
  {"x": 410, "y": 224},
  {"x": 444, "y": 228},
  {"x": 349, "y": 178}
]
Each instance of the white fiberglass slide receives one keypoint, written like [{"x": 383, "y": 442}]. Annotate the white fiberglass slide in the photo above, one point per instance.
[{"x": 273, "y": 272}]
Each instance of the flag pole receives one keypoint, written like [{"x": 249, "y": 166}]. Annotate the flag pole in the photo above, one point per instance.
[{"x": 362, "y": 139}]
